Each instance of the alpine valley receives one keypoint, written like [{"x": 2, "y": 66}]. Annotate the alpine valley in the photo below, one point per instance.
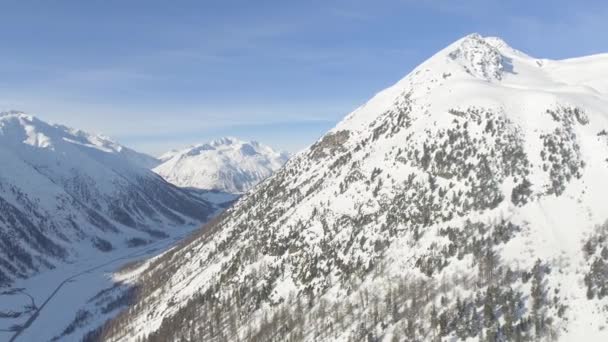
[
  {"x": 64, "y": 192},
  {"x": 465, "y": 202},
  {"x": 81, "y": 214},
  {"x": 73, "y": 207}
]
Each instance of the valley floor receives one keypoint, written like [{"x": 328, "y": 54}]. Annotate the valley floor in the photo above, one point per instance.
[{"x": 65, "y": 303}]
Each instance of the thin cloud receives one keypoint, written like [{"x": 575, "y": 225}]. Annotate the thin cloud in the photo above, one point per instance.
[
  {"x": 106, "y": 75},
  {"x": 350, "y": 13}
]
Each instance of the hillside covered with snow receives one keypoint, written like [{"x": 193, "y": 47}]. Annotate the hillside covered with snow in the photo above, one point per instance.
[
  {"x": 228, "y": 165},
  {"x": 66, "y": 194},
  {"x": 465, "y": 202}
]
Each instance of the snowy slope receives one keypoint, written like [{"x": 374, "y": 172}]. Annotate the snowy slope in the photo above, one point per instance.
[
  {"x": 466, "y": 202},
  {"x": 228, "y": 164},
  {"x": 168, "y": 155},
  {"x": 66, "y": 194},
  {"x": 138, "y": 158},
  {"x": 104, "y": 143}
]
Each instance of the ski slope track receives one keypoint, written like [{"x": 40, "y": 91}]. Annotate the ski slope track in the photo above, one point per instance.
[{"x": 465, "y": 202}]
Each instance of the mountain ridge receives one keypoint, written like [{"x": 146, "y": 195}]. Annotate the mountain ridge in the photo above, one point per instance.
[
  {"x": 464, "y": 202},
  {"x": 227, "y": 164}
]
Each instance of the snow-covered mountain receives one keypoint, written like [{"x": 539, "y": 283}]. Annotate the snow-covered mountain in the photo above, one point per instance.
[
  {"x": 66, "y": 194},
  {"x": 134, "y": 157},
  {"x": 465, "y": 202},
  {"x": 228, "y": 164},
  {"x": 167, "y": 155}
]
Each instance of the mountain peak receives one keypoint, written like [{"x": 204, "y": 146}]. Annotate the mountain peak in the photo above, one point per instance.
[
  {"x": 18, "y": 128},
  {"x": 476, "y": 39},
  {"x": 496, "y": 42},
  {"x": 479, "y": 56},
  {"x": 227, "y": 164},
  {"x": 228, "y": 140},
  {"x": 11, "y": 112},
  {"x": 17, "y": 114}
]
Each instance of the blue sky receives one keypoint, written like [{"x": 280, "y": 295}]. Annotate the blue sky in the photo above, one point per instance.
[{"x": 157, "y": 75}]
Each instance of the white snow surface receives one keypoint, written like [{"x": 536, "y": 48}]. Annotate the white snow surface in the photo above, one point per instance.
[
  {"x": 357, "y": 169},
  {"x": 227, "y": 164}
]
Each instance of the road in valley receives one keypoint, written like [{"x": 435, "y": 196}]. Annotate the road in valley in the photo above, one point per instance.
[{"x": 148, "y": 250}]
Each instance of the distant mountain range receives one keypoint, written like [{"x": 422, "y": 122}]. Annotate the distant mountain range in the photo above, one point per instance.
[{"x": 227, "y": 165}]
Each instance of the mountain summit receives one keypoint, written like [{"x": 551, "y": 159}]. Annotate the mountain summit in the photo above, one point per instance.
[
  {"x": 227, "y": 164},
  {"x": 467, "y": 201}
]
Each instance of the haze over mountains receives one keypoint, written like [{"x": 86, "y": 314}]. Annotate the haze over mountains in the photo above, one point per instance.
[{"x": 467, "y": 201}]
